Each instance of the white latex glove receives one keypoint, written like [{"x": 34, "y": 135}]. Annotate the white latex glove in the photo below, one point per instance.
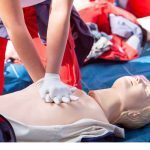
[{"x": 54, "y": 90}]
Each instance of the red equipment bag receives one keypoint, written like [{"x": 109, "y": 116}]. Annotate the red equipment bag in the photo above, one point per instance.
[
  {"x": 140, "y": 8},
  {"x": 99, "y": 14}
]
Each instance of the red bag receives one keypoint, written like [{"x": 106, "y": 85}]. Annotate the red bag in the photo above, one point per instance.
[
  {"x": 3, "y": 43},
  {"x": 140, "y": 8},
  {"x": 99, "y": 14}
]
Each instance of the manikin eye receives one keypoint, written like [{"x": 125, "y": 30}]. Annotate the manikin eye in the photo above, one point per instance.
[
  {"x": 132, "y": 81},
  {"x": 137, "y": 79}
]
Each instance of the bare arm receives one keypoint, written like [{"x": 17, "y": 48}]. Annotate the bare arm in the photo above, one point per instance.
[
  {"x": 12, "y": 16},
  {"x": 58, "y": 28}
]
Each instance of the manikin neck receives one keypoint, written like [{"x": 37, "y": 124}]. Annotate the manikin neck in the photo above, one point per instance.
[{"x": 109, "y": 101}]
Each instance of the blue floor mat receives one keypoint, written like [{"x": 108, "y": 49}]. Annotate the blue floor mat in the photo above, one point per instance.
[
  {"x": 102, "y": 75},
  {"x": 138, "y": 135},
  {"x": 16, "y": 78}
]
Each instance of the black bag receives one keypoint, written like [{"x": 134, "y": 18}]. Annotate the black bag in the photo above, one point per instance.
[{"x": 6, "y": 131}]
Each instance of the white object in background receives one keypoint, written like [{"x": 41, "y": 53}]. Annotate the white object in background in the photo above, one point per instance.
[
  {"x": 27, "y": 3},
  {"x": 81, "y": 4}
]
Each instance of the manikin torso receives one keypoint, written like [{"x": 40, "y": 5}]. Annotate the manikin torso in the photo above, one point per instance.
[{"x": 27, "y": 107}]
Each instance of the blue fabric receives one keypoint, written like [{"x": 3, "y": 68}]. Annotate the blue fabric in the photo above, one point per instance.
[
  {"x": 105, "y": 138},
  {"x": 138, "y": 135},
  {"x": 6, "y": 131},
  {"x": 16, "y": 78},
  {"x": 102, "y": 75},
  {"x": 117, "y": 2}
]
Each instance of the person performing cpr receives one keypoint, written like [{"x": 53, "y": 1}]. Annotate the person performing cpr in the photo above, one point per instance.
[{"x": 59, "y": 56}]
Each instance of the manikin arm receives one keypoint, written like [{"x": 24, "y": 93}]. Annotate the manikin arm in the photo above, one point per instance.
[{"x": 12, "y": 16}]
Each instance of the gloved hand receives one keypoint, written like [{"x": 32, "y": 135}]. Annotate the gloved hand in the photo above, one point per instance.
[{"x": 54, "y": 90}]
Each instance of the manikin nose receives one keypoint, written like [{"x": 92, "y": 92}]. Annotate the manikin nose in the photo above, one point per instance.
[{"x": 142, "y": 79}]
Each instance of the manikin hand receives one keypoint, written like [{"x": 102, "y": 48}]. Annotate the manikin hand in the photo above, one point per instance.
[{"x": 54, "y": 90}]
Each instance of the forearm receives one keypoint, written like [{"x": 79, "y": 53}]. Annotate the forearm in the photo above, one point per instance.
[
  {"x": 57, "y": 35},
  {"x": 25, "y": 48},
  {"x": 12, "y": 17}
]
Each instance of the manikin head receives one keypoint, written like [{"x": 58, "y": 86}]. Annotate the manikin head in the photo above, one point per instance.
[
  {"x": 127, "y": 94},
  {"x": 133, "y": 90}
]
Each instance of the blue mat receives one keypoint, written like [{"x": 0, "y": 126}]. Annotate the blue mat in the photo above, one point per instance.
[
  {"x": 16, "y": 78},
  {"x": 102, "y": 75}
]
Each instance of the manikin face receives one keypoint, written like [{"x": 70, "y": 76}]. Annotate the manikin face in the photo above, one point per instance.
[{"x": 134, "y": 91}]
